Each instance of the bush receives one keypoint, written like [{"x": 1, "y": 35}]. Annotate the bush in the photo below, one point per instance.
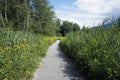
[
  {"x": 95, "y": 50},
  {"x": 20, "y": 54}
]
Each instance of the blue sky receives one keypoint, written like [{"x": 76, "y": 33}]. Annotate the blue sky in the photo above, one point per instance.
[{"x": 86, "y": 12}]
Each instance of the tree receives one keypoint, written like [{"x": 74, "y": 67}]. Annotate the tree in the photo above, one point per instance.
[
  {"x": 44, "y": 15},
  {"x": 68, "y": 27},
  {"x": 118, "y": 22},
  {"x": 35, "y": 15},
  {"x": 3, "y": 12},
  {"x": 16, "y": 12},
  {"x": 58, "y": 25}
]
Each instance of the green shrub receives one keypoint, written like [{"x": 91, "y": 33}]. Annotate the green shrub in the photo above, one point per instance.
[
  {"x": 97, "y": 51},
  {"x": 20, "y": 54}
]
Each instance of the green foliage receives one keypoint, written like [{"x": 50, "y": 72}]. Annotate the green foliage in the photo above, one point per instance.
[
  {"x": 58, "y": 24},
  {"x": 43, "y": 15},
  {"x": 20, "y": 54},
  {"x": 96, "y": 51},
  {"x": 26, "y": 15},
  {"x": 118, "y": 22},
  {"x": 14, "y": 12},
  {"x": 68, "y": 27}
]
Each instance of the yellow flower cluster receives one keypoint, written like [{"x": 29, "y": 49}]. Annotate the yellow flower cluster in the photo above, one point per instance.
[
  {"x": 7, "y": 48},
  {"x": 24, "y": 46},
  {"x": 16, "y": 47},
  {"x": 49, "y": 39},
  {"x": 10, "y": 62},
  {"x": 1, "y": 48},
  {"x": 24, "y": 39},
  {"x": 20, "y": 46},
  {"x": 4, "y": 49}
]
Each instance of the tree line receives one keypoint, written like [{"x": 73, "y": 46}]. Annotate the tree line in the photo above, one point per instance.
[{"x": 33, "y": 15}]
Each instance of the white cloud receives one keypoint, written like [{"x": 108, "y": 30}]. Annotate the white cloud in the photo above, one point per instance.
[
  {"x": 79, "y": 18},
  {"x": 98, "y": 6},
  {"x": 89, "y": 12}
]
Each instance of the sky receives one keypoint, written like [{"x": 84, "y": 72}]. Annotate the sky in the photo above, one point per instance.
[{"x": 86, "y": 12}]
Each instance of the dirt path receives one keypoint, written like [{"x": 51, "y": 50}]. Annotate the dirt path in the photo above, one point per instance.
[{"x": 56, "y": 66}]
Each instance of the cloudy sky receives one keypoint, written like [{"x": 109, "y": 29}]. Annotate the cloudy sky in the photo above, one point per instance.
[{"x": 86, "y": 12}]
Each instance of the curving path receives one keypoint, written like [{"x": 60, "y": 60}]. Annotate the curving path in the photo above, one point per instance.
[{"x": 56, "y": 66}]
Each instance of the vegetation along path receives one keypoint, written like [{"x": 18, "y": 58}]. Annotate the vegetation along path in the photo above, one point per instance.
[{"x": 56, "y": 66}]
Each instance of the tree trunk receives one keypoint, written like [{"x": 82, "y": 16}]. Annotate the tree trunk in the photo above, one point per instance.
[
  {"x": 28, "y": 19},
  {"x": 6, "y": 20},
  {"x": 28, "y": 15},
  {"x": 1, "y": 16}
]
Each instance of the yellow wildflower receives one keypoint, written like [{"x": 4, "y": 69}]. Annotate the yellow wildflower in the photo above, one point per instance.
[
  {"x": 24, "y": 39},
  {"x": 1, "y": 48},
  {"x": 26, "y": 45},
  {"x": 22, "y": 45},
  {"x": 7, "y": 48},
  {"x": 10, "y": 62},
  {"x": 16, "y": 47},
  {"x": 34, "y": 45}
]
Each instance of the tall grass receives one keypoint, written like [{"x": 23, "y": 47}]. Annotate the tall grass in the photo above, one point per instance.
[
  {"x": 97, "y": 51},
  {"x": 20, "y": 54}
]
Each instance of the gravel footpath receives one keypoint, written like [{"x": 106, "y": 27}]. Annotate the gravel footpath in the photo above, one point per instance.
[{"x": 56, "y": 66}]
